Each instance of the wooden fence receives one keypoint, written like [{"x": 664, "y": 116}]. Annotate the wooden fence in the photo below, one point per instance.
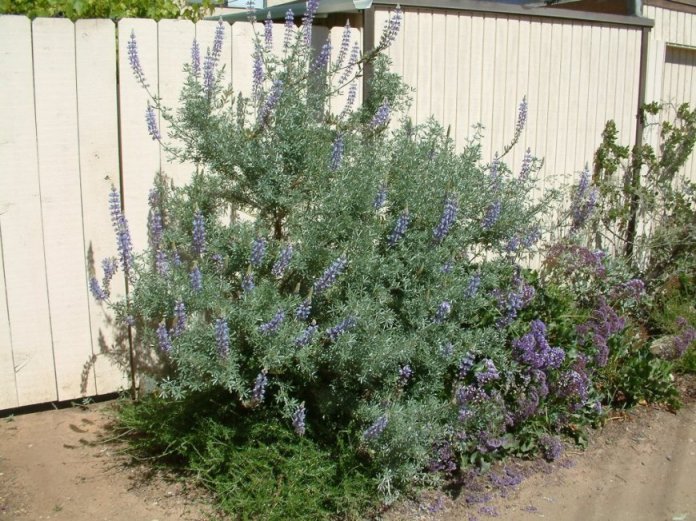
[{"x": 72, "y": 123}]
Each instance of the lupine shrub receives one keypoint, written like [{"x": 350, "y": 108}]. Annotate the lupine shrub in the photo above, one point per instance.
[{"x": 376, "y": 293}]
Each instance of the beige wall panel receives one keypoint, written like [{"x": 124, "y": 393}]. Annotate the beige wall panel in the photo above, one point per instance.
[
  {"x": 438, "y": 66},
  {"x": 488, "y": 68},
  {"x": 496, "y": 119},
  {"x": 175, "y": 38},
  {"x": 425, "y": 53},
  {"x": 140, "y": 154},
  {"x": 8, "y": 384},
  {"x": 61, "y": 202},
  {"x": 462, "y": 131},
  {"x": 450, "y": 86},
  {"x": 411, "y": 65},
  {"x": 338, "y": 100},
  {"x": 518, "y": 70},
  {"x": 537, "y": 112},
  {"x": 95, "y": 56},
  {"x": 582, "y": 141},
  {"x": 242, "y": 57},
  {"x": 20, "y": 218}
]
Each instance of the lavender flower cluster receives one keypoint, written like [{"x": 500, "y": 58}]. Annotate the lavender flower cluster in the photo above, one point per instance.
[
  {"x": 334, "y": 332},
  {"x": 305, "y": 338},
  {"x": 533, "y": 349},
  {"x": 400, "y": 228},
  {"x": 448, "y": 218},
  {"x": 222, "y": 337},
  {"x": 584, "y": 201},
  {"x": 376, "y": 429},
  {"x": 273, "y": 325},
  {"x": 281, "y": 265},
  {"x": 602, "y": 325},
  {"x": 329, "y": 276},
  {"x": 124, "y": 244},
  {"x": 298, "y": 420}
]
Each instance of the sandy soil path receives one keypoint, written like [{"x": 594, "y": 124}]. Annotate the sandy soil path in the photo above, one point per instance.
[{"x": 641, "y": 467}]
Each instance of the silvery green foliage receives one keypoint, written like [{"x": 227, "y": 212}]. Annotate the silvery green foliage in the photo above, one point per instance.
[{"x": 338, "y": 284}]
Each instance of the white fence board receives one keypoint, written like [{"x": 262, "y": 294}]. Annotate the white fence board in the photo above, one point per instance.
[
  {"x": 59, "y": 174},
  {"x": 8, "y": 384},
  {"x": 95, "y": 52},
  {"x": 22, "y": 232}
]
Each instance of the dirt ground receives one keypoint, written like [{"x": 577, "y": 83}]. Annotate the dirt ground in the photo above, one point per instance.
[{"x": 641, "y": 467}]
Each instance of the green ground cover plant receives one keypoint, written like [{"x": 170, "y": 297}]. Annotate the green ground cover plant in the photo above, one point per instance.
[{"x": 370, "y": 330}]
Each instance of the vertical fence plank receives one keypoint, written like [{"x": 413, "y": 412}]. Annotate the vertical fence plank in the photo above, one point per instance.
[
  {"x": 20, "y": 218},
  {"x": 451, "y": 64},
  {"x": 8, "y": 384},
  {"x": 462, "y": 126},
  {"x": 438, "y": 46},
  {"x": 140, "y": 154},
  {"x": 242, "y": 57},
  {"x": 174, "y": 50},
  {"x": 424, "y": 50},
  {"x": 95, "y": 56},
  {"x": 476, "y": 50},
  {"x": 410, "y": 74},
  {"x": 59, "y": 174}
]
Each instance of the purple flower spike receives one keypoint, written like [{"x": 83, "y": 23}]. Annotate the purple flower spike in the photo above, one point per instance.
[
  {"x": 381, "y": 117},
  {"x": 198, "y": 234},
  {"x": 449, "y": 217},
  {"x": 405, "y": 374},
  {"x": 289, "y": 28},
  {"x": 336, "y": 153},
  {"x": 381, "y": 197},
  {"x": 298, "y": 420},
  {"x": 443, "y": 311},
  {"x": 155, "y": 227},
  {"x": 97, "y": 292},
  {"x": 196, "y": 279},
  {"x": 259, "y": 391},
  {"x": 123, "y": 237},
  {"x": 329, "y": 276},
  {"x": 303, "y": 310},
  {"x": 345, "y": 46},
  {"x": 322, "y": 59},
  {"x": 179, "y": 319},
  {"x": 222, "y": 337},
  {"x": 271, "y": 102},
  {"x": 281, "y": 265},
  {"x": 400, "y": 228},
  {"x": 152, "y": 127},
  {"x": 258, "y": 251},
  {"x": 134, "y": 60},
  {"x": 195, "y": 58},
  {"x": 551, "y": 447},
  {"x": 473, "y": 285},
  {"x": 526, "y": 168},
  {"x": 308, "y": 20},
  {"x": 268, "y": 32},
  {"x": 488, "y": 374},
  {"x": 212, "y": 57},
  {"x": 165, "y": 343},
  {"x": 521, "y": 118},
  {"x": 161, "y": 263},
  {"x": 376, "y": 429},
  {"x": 492, "y": 215},
  {"x": 391, "y": 28},
  {"x": 334, "y": 332},
  {"x": 352, "y": 60},
  {"x": 257, "y": 74},
  {"x": 584, "y": 201},
  {"x": 248, "y": 283},
  {"x": 305, "y": 338},
  {"x": 271, "y": 327}
]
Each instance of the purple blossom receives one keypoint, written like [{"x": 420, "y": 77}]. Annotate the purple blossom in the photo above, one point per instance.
[
  {"x": 272, "y": 326},
  {"x": 198, "y": 234},
  {"x": 179, "y": 319},
  {"x": 473, "y": 285},
  {"x": 405, "y": 374},
  {"x": 289, "y": 28},
  {"x": 322, "y": 58},
  {"x": 381, "y": 197},
  {"x": 602, "y": 325},
  {"x": 352, "y": 61},
  {"x": 222, "y": 337},
  {"x": 574, "y": 384},
  {"x": 123, "y": 237},
  {"x": 195, "y": 58},
  {"x": 465, "y": 365},
  {"x": 345, "y": 45},
  {"x": 248, "y": 283},
  {"x": 334, "y": 332},
  {"x": 467, "y": 394},
  {"x": 527, "y": 406},
  {"x": 303, "y": 310},
  {"x": 551, "y": 447},
  {"x": 517, "y": 297},
  {"x": 350, "y": 100},
  {"x": 633, "y": 289},
  {"x": 151, "y": 120},
  {"x": 445, "y": 459},
  {"x": 165, "y": 343},
  {"x": 258, "y": 251},
  {"x": 212, "y": 57},
  {"x": 336, "y": 153},
  {"x": 268, "y": 32},
  {"x": 381, "y": 117},
  {"x": 492, "y": 215},
  {"x": 447, "y": 267},
  {"x": 305, "y": 338},
  {"x": 488, "y": 374},
  {"x": 161, "y": 263},
  {"x": 521, "y": 119},
  {"x": 271, "y": 102},
  {"x": 531, "y": 238},
  {"x": 682, "y": 340},
  {"x": 584, "y": 200},
  {"x": 298, "y": 420},
  {"x": 134, "y": 60},
  {"x": 391, "y": 29},
  {"x": 443, "y": 311},
  {"x": 281, "y": 265},
  {"x": 526, "y": 167},
  {"x": 329, "y": 276},
  {"x": 258, "y": 393},
  {"x": 489, "y": 510},
  {"x": 308, "y": 19},
  {"x": 196, "y": 278},
  {"x": 97, "y": 292},
  {"x": 155, "y": 227},
  {"x": 533, "y": 349},
  {"x": 376, "y": 429},
  {"x": 400, "y": 228},
  {"x": 448, "y": 218},
  {"x": 109, "y": 267},
  {"x": 257, "y": 74}
]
